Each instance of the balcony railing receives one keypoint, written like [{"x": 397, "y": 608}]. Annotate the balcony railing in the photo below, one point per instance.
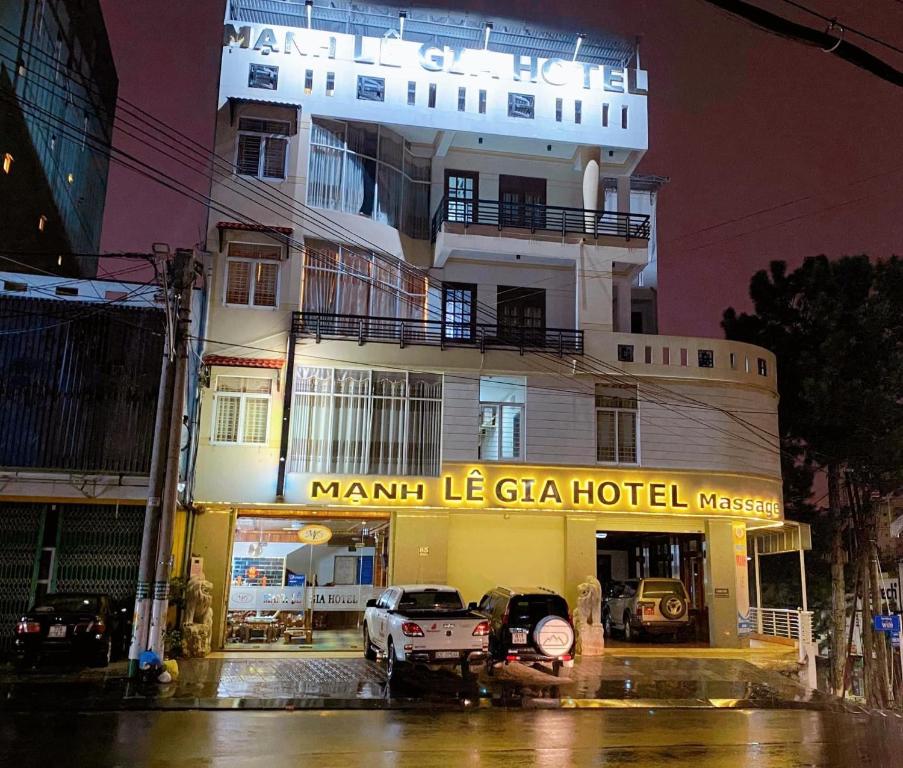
[
  {"x": 435, "y": 333},
  {"x": 547, "y": 219}
]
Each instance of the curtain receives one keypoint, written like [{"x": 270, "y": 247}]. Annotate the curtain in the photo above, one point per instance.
[
  {"x": 350, "y": 421},
  {"x": 311, "y": 411},
  {"x": 321, "y": 273},
  {"x": 324, "y": 188},
  {"x": 354, "y": 284},
  {"x": 424, "y": 424},
  {"x": 388, "y": 424}
]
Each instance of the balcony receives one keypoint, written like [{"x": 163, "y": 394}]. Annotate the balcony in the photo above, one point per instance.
[
  {"x": 547, "y": 221},
  {"x": 435, "y": 333}
]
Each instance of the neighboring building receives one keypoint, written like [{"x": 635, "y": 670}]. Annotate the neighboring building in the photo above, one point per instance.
[
  {"x": 424, "y": 321},
  {"x": 79, "y": 374},
  {"x": 58, "y": 90}
]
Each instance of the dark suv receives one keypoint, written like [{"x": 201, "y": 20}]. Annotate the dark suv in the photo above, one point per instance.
[{"x": 529, "y": 624}]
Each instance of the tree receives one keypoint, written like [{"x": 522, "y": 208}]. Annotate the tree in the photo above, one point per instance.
[{"x": 836, "y": 328}]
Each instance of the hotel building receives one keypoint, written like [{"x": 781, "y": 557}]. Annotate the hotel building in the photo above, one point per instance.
[{"x": 431, "y": 346}]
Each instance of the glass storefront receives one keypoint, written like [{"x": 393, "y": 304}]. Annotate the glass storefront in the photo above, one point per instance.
[{"x": 302, "y": 583}]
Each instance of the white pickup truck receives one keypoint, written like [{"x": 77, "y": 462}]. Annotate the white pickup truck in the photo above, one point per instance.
[{"x": 424, "y": 624}]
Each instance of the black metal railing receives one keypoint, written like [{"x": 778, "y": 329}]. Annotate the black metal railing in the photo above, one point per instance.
[
  {"x": 435, "y": 333},
  {"x": 540, "y": 218}
]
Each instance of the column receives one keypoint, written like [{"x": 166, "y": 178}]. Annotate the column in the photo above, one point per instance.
[
  {"x": 579, "y": 553},
  {"x": 726, "y": 587}
]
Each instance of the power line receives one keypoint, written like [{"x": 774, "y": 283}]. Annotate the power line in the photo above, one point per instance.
[{"x": 835, "y": 22}]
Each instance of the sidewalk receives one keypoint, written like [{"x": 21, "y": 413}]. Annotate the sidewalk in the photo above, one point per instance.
[{"x": 627, "y": 677}]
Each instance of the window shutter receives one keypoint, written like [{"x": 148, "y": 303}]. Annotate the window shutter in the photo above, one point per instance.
[
  {"x": 226, "y": 419},
  {"x": 249, "y": 155},
  {"x": 256, "y": 414},
  {"x": 605, "y": 436},
  {"x": 265, "y": 284},
  {"x": 274, "y": 158},
  {"x": 238, "y": 282},
  {"x": 627, "y": 437}
]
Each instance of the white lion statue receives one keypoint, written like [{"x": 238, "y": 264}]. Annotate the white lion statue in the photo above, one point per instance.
[
  {"x": 198, "y": 602},
  {"x": 588, "y": 617},
  {"x": 197, "y": 620}
]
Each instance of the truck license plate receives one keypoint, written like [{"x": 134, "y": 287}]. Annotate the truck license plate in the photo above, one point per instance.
[
  {"x": 57, "y": 630},
  {"x": 447, "y": 654},
  {"x": 518, "y": 637}
]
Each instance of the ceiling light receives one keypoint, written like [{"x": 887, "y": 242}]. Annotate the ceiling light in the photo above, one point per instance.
[
  {"x": 601, "y": 535},
  {"x": 577, "y": 46}
]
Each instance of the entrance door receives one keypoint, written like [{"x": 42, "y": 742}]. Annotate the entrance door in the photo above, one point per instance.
[
  {"x": 462, "y": 189},
  {"x": 521, "y": 314},
  {"x": 522, "y": 202}
]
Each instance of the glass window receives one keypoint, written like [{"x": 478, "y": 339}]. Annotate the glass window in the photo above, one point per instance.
[
  {"x": 357, "y": 421},
  {"x": 241, "y": 410},
  {"x": 412, "y": 93},
  {"x": 559, "y": 107},
  {"x": 502, "y": 418},
  {"x": 521, "y": 314},
  {"x": 616, "y": 423},
  {"x": 520, "y": 105},
  {"x": 366, "y": 169},
  {"x": 482, "y": 102},
  {"x": 462, "y": 99},
  {"x": 262, "y": 148},
  {"x": 330, "y": 83},
  {"x": 459, "y": 311},
  {"x": 264, "y": 76},
  {"x": 578, "y": 112},
  {"x": 462, "y": 192},
  {"x": 431, "y": 98},
  {"x": 371, "y": 88},
  {"x": 251, "y": 279}
]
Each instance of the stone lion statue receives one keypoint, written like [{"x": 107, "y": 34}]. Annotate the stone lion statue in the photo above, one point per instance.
[
  {"x": 588, "y": 617},
  {"x": 198, "y": 602}
]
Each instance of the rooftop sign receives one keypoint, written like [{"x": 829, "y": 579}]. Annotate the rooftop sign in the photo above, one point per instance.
[{"x": 369, "y": 78}]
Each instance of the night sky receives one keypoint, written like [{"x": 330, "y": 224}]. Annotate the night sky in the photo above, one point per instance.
[{"x": 775, "y": 150}]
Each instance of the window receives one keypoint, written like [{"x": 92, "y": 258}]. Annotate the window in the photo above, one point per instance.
[
  {"x": 459, "y": 311},
  {"x": 625, "y": 353},
  {"x": 520, "y": 105},
  {"x": 761, "y": 366},
  {"x": 462, "y": 99},
  {"x": 365, "y": 422},
  {"x": 412, "y": 93},
  {"x": 371, "y": 88},
  {"x": 559, "y": 108},
  {"x": 706, "y": 358},
  {"x": 431, "y": 98},
  {"x": 502, "y": 418},
  {"x": 369, "y": 170},
  {"x": 521, "y": 314},
  {"x": 262, "y": 148},
  {"x": 616, "y": 423},
  {"x": 624, "y": 117},
  {"x": 241, "y": 410},
  {"x": 482, "y": 102},
  {"x": 309, "y": 82},
  {"x": 252, "y": 275},
  {"x": 330, "y": 83},
  {"x": 605, "y": 115},
  {"x": 462, "y": 189},
  {"x": 339, "y": 280},
  {"x": 263, "y": 76},
  {"x": 578, "y": 111}
]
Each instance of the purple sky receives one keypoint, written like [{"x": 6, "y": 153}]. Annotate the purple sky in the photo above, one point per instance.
[{"x": 775, "y": 150}]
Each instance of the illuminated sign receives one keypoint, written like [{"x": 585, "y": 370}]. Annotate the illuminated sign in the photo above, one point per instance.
[
  {"x": 493, "y": 486},
  {"x": 314, "y": 534},
  {"x": 396, "y": 53}
]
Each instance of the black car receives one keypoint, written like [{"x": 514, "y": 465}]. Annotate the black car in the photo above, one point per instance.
[
  {"x": 84, "y": 626},
  {"x": 531, "y": 625}
]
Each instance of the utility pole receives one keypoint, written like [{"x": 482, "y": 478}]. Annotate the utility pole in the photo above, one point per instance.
[
  {"x": 182, "y": 279},
  {"x": 146, "y": 569}
]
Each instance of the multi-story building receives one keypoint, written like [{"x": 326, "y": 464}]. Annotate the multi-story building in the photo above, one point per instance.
[
  {"x": 79, "y": 374},
  {"x": 425, "y": 358},
  {"x": 58, "y": 90}
]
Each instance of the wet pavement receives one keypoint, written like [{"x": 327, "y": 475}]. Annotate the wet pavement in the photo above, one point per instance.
[
  {"x": 616, "y": 680},
  {"x": 487, "y": 738}
]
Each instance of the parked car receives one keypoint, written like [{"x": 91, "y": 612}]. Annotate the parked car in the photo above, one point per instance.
[
  {"x": 647, "y": 606},
  {"x": 425, "y": 625},
  {"x": 86, "y": 627},
  {"x": 531, "y": 625}
]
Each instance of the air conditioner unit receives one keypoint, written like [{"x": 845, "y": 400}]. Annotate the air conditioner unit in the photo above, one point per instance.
[{"x": 487, "y": 420}]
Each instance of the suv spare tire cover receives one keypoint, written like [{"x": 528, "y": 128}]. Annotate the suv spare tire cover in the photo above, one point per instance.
[
  {"x": 673, "y": 607},
  {"x": 553, "y": 636}
]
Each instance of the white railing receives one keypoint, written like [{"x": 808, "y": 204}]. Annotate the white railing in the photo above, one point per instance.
[{"x": 783, "y": 622}]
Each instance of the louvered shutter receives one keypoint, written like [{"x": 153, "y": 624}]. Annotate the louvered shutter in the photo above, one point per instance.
[
  {"x": 249, "y": 155},
  {"x": 238, "y": 282},
  {"x": 226, "y": 418},
  {"x": 256, "y": 414},
  {"x": 274, "y": 158}
]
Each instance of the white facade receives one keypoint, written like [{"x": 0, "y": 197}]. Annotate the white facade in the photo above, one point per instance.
[{"x": 468, "y": 245}]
